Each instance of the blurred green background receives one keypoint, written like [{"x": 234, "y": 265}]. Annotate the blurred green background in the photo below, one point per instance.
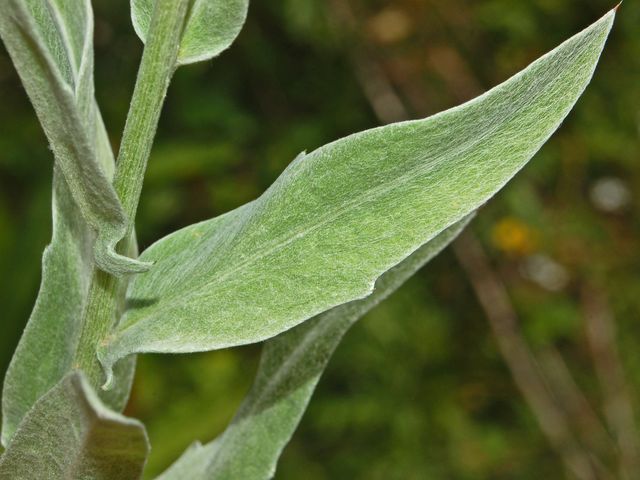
[{"x": 418, "y": 389}]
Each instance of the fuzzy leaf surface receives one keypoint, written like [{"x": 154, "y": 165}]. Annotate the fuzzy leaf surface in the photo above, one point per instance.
[
  {"x": 48, "y": 344},
  {"x": 211, "y": 28},
  {"x": 290, "y": 368},
  {"x": 51, "y": 45},
  {"x": 339, "y": 217},
  {"x": 46, "y": 351},
  {"x": 56, "y": 64},
  {"x": 70, "y": 434}
]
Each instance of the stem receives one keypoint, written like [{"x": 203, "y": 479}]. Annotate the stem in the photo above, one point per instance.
[
  {"x": 158, "y": 64},
  {"x": 99, "y": 317},
  {"x": 156, "y": 69}
]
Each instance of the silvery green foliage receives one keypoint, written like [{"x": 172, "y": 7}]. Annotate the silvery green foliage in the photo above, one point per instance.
[
  {"x": 211, "y": 27},
  {"x": 47, "y": 348},
  {"x": 69, "y": 434},
  {"x": 289, "y": 370},
  {"x": 51, "y": 45},
  {"x": 48, "y": 344},
  {"x": 339, "y": 217}
]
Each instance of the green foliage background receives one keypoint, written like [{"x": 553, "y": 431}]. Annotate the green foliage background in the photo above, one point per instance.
[{"x": 418, "y": 389}]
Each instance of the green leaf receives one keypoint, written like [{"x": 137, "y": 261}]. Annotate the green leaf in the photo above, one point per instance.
[
  {"x": 290, "y": 368},
  {"x": 48, "y": 345},
  {"x": 56, "y": 64},
  {"x": 69, "y": 434},
  {"x": 339, "y": 217},
  {"x": 51, "y": 45},
  {"x": 54, "y": 322},
  {"x": 211, "y": 27}
]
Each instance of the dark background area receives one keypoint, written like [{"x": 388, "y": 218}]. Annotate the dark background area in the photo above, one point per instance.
[{"x": 419, "y": 388}]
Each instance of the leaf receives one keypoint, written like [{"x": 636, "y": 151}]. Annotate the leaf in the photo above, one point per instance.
[
  {"x": 70, "y": 434},
  {"x": 51, "y": 45},
  {"x": 48, "y": 345},
  {"x": 60, "y": 36},
  {"x": 339, "y": 217},
  {"x": 211, "y": 27},
  {"x": 54, "y": 321},
  {"x": 290, "y": 368}
]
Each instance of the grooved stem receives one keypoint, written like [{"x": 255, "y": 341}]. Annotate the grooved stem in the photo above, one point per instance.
[{"x": 158, "y": 64}]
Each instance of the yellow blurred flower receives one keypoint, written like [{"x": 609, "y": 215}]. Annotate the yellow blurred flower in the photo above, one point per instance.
[
  {"x": 391, "y": 25},
  {"x": 514, "y": 237}
]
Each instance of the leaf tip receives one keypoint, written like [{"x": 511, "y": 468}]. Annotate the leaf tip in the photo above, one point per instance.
[
  {"x": 107, "y": 361},
  {"x": 109, "y": 377},
  {"x": 109, "y": 261}
]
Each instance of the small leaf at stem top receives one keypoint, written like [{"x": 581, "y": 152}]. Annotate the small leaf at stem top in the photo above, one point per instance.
[{"x": 211, "y": 27}]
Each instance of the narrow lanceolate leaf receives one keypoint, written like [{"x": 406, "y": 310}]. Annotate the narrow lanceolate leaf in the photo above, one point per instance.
[
  {"x": 51, "y": 45},
  {"x": 339, "y": 217},
  {"x": 70, "y": 434},
  {"x": 211, "y": 27},
  {"x": 47, "y": 348},
  {"x": 56, "y": 65},
  {"x": 289, "y": 371}
]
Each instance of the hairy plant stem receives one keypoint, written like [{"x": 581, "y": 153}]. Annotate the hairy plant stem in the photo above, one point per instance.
[{"x": 156, "y": 69}]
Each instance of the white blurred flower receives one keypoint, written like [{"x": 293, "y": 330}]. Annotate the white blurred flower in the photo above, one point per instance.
[
  {"x": 545, "y": 272},
  {"x": 610, "y": 194}
]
